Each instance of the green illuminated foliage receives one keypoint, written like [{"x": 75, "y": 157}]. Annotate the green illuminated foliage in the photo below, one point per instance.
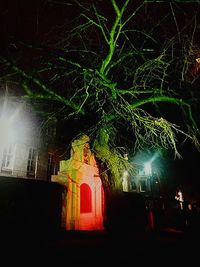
[{"x": 121, "y": 74}]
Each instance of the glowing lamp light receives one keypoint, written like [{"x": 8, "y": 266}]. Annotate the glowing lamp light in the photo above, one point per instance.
[
  {"x": 147, "y": 168},
  {"x": 7, "y": 132},
  {"x": 11, "y": 123}
]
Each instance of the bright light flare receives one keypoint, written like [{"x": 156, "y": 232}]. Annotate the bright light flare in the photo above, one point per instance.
[
  {"x": 9, "y": 119},
  {"x": 148, "y": 165},
  {"x": 147, "y": 168},
  {"x": 7, "y": 132}
]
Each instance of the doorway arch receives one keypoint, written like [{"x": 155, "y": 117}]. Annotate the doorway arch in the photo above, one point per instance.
[{"x": 85, "y": 198}]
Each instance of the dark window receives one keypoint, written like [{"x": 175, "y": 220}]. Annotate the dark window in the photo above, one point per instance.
[
  {"x": 50, "y": 167},
  {"x": 86, "y": 153},
  {"x": 31, "y": 162},
  {"x": 8, "y": 157},
  {"x": 143, "y": 185}
]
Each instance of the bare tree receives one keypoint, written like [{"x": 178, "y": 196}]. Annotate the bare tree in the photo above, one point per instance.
[{"x": 120, "y": 70}]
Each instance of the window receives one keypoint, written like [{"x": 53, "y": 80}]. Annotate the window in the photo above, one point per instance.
[
  {"x": 50, "y": 132},
  {"x": 8, "y": 158},
  {"x": 86, "y": 153},
  {"x": 50, "y": 167},
  {"x": 31, "y": 162},
  {"x": 133, "y": 185},
  {"x": 143, "y": 186}
]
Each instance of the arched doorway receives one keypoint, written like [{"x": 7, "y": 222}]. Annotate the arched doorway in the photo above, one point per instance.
[{"x": 85, "y": 198}]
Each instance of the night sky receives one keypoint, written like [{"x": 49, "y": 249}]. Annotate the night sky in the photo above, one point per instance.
[{"x": 32, "y": 21}]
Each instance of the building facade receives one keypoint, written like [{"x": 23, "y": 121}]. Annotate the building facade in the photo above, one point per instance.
[
  {"x": 26, "y": 148},
  {"x": 83, "y": 204}
]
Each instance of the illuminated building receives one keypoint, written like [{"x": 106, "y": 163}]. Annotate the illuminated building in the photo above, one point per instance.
[
  {"x": 25, "y": 147},
  {"x": 83, "y": 203}
]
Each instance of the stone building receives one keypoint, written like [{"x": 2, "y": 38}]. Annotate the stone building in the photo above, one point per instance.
[
  {"x": 83, "y": 204},
  {"x": 26, "y": 151}
]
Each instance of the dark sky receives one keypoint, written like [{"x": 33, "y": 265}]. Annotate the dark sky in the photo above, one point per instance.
[
  {"x": 185, "y": 171},
  {"x": 32, "y": 21}
]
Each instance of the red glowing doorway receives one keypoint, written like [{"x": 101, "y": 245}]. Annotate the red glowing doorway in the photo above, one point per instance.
[{"x": 85, "y": 198}]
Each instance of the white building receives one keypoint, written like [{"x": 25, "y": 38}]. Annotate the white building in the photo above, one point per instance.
[{"x": 25, "y": 148}]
